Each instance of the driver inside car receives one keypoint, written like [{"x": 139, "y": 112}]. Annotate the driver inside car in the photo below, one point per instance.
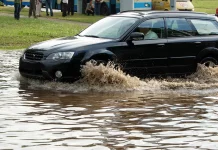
[{"x": 146, "y": 28}]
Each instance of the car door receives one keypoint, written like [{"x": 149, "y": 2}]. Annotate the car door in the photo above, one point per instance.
[
  {"x": 148, "y": 56},
  {"x": 182, "y": 46},
  {"x": 207, "y": 37}
]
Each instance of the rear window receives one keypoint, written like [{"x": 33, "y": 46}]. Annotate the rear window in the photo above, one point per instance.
[
  {"x": 179, "y": 27},
  {"x": 205, "y": 27}
]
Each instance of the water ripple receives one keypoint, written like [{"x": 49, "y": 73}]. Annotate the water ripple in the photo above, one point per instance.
[{"x": 34, "y": 115}]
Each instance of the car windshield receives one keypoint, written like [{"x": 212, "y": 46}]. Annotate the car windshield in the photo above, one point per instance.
[{"x": 109, "y": 27}]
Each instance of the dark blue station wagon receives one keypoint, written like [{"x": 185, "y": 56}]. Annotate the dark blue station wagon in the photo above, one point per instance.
[{"x": 144, "y": 43}]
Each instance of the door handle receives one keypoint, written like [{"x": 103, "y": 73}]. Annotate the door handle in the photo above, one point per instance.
[
  {"x": 160, "y": 45},
  {"x": 197, "y": 42}
]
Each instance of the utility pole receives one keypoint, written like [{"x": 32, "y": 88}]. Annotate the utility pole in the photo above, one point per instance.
[{"x": 172, "y": 5}]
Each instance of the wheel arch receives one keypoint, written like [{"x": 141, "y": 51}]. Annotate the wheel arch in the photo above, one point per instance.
[
  {"x": 207, "y": 52},
  {"x": 101, "y": 54}
]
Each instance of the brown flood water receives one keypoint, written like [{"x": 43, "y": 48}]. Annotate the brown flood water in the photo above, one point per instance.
[{"x": 107, "y": 110}]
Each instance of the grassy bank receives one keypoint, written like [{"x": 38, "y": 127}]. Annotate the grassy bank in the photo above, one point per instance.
[
  {"x": 25, "y": 32},
  {"x": 57, "y": 15},
  {"x": 208, "y": 6}
]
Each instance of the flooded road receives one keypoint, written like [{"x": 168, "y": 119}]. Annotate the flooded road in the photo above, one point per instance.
[{"x": 107, "y": 112}]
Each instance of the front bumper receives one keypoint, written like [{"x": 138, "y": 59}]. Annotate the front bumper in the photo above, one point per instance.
[{"x": 45, "y": 69}]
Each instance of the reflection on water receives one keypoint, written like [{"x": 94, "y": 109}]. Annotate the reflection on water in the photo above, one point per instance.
[{"x": 125, "y": 113}]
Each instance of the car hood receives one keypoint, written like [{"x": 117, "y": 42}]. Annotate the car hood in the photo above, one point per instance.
[{"x": 69, "y": 43}]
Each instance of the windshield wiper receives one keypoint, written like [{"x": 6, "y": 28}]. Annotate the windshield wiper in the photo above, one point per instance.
[{"x": 94, "y": 36}]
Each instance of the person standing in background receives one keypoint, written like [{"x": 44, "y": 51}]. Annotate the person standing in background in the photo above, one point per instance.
[
  {"x": 64, "y": 8},
  {"x": 84, "y": 6},
  {"x": 38, "y": 7},
  {"x": 97, "y": 7},
  {"x": 70, "y": 7},
  {"x": 48, "y": 4},
  {"x": 90, "y": 8},
  {"x": 32, "y": 9},
  {"x": 17, "y": 8}
]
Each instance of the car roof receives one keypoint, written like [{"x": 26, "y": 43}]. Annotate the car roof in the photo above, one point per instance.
[{"x": 143, "y": 14}]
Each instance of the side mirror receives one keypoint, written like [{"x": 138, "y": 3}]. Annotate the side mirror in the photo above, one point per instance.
[{"x": 137, "y": 36}]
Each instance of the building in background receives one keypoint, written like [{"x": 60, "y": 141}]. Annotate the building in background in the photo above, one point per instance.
[{"x": 108, "y": 7}]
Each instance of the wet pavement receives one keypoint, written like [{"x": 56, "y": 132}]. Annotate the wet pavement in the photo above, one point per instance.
[{"x": 130, "y": 114}]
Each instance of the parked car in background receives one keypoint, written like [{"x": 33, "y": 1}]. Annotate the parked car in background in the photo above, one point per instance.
[
  {"x": 144, "y": 43},
  {"x": 181, "y": 5}
]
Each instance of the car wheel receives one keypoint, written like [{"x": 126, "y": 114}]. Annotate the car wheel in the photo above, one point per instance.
[
  {"x": 104, "y": 9},
  {"x": 103, "y": 62},
  {"x": 209, "y": 62}
]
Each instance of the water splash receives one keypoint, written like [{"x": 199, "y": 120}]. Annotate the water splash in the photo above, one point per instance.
[
  {"x": 100, "y": 78},
  {"x": 101, "y": 75},
  {"x": 203, "y": 78}
]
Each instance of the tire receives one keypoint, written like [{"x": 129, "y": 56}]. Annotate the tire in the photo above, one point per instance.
[
  {"x": 104, "y": 10},
  {"x": 103, "y": 62},
  {"x": 209, "y": 61}
]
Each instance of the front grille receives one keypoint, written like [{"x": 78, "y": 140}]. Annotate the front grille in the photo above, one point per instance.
[{"x": 33, "y": 55}]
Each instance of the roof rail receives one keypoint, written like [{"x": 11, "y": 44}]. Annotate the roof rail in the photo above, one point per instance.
[
  {"x": 137, "y": 11},
  {"x": 142, "y": 12},
  {"x": 153, "y": 12}
]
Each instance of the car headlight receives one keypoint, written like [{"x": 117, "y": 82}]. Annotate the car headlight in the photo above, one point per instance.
[
  {"x": 60, "y": 55},
  {"x": 23, "y": 54}
]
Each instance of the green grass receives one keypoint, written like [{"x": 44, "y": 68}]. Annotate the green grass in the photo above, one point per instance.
[
  {"x": 57, "y": 15},
  {"x": 25, "y": 32},
  {"x": 208, "y": 6}
]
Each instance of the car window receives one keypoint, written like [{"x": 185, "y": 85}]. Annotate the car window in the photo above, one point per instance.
[
  {"x": 109, "y": 27},
  {"x": 179, "y": 27},
  {"x": 205, "y": 27},
  {"x": 152, "y": 29}
]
